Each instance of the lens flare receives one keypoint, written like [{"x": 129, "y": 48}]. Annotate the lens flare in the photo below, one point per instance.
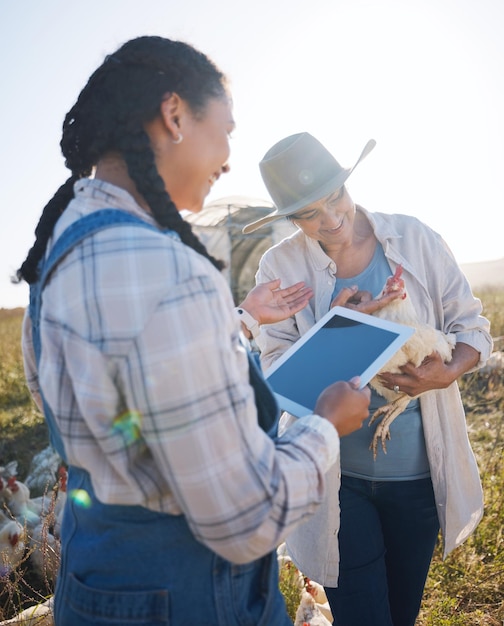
[
  {"x": 80, "y": 497},
  {"x": 128, "y": 426}
]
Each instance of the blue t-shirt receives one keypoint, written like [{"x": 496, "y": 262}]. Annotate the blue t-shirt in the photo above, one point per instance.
[{"x": 406, "y": 457}]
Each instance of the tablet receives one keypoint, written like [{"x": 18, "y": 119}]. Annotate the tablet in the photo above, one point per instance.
[{"x": 343, "y": 344}]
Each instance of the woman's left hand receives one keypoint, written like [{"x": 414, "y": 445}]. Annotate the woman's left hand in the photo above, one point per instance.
[
  {"x": 432, "y": 373},
  {"x": 267, "y": 303},
  {"x": 363, "y": 301}
]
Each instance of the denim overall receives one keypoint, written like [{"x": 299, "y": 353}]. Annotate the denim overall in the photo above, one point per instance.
[{"x": 133, "y": 566}]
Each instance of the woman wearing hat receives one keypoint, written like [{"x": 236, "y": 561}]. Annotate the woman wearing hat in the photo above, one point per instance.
[{"x": 391, "y": 508}]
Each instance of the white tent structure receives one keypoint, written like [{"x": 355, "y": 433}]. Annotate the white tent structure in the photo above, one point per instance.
[{"x": 219, "y": 226}]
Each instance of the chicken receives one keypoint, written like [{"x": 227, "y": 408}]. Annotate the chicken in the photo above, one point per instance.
[
  {"x": 60, "y": 500},
  {"x": 5, "y": 473},
  {"x": 421, "y": 344},
  {"x": 31, "y": 523},
  {"x": 43, "y": 471},
  {"x": 20, "y": 505},
  {"x": 44, "y": 551},
  {"x": 308, "y": 613},
  {"x": 40, "y": 614},
  {"x": 12, "y": 546},
  {"x": 313, "y": 609}
]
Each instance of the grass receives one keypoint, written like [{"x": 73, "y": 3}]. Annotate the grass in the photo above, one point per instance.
[
  {"x": 22, "y": 425},
  {"x": 467, "y": 589}
]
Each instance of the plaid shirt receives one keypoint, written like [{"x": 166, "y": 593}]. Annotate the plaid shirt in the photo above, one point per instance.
[{"x": 143, "y": 367}]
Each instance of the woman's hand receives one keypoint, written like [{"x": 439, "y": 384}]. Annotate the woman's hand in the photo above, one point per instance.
[
  {"x": 433, "y": 372},
  {"x": 430, "y": 374},
  {"x": 363, "y": 301},
  {"x": 269, "y": 304},
  {"x": 344, "y": 405}
]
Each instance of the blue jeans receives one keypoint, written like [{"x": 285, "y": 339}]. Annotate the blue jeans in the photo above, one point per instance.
[
  {"x": 387, "y": 537},
  {"x": 127, "y": 565}
]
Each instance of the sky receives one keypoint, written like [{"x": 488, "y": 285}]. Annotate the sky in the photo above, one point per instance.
[{"x": 424, "y": 78}]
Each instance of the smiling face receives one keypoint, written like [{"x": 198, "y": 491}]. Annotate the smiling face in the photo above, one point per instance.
[
  {"x": 196, "y": 163},
  {"x": 329, "y": 221}
]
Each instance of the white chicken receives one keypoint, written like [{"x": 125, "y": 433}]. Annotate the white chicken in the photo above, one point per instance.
[
  {"x": 308, "y": 613},
  {"x": 422, "y": 343},
  {"x": 30, "y": 523},
  {"x": 12, "y": 546},
  {"x": 20, "y": 505},
  {"x": 44, "y": 551}
]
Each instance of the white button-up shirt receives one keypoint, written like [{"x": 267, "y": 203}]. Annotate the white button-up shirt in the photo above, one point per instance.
[{"x": 442, "y": 298}]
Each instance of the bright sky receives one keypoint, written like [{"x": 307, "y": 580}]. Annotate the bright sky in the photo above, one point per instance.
[{"x": 425, "y": 78}]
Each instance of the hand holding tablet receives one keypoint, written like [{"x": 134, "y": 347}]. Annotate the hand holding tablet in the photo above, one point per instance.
[{"x": 343, "y": 344}]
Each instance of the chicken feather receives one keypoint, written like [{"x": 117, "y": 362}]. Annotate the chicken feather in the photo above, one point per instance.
[{"x": 421, "y": 344}]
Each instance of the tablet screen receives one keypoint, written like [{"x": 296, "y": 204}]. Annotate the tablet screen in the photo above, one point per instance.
[{"x": 340, "y": 346}]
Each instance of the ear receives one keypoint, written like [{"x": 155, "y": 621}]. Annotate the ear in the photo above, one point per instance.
[{"x": 172, "y": 111}]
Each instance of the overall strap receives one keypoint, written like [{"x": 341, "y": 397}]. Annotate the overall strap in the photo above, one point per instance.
[
  {"x": 85, "y": 227},
  {"x": 71, "y": 236},
  {"x": 268, "y": 411},
  {"x": 267, "y": 408}
]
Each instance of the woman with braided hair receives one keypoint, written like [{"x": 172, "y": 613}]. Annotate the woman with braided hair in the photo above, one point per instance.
[{"x": 179, "y": 489}]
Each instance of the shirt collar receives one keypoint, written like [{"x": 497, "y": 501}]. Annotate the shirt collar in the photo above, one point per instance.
[{"x": 97, "y": 194}]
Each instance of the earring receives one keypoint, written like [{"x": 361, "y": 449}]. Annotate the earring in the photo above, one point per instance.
[{"x": 179, "y": 139}]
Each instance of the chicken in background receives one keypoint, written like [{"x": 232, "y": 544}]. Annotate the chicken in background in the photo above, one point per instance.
[
  {"x": 12, "y": 544},
  {"x": 308, "y": 613},
  {"x": 422, "y": 343}
]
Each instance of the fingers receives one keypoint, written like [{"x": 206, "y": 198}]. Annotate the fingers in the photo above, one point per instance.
[
  {"x": 272, "y": 284},
  {"x": 355, "y": 382},
  {"x": 387, "y": 298},
  {"x": 371, "y": 305},
  {"x": 300, "y": 293},
  {"x": 268, "y": 304},
  {"x": 287, "y": 294},
  {"x": 298, "y": 305},
  {"x": 344, "y": 406},
  {"x": 344, "y": 296},
  {"x": 361, "y": 297},
  {"x": 303, "y": 294},
  {"x": 295, "y": 296},
  {"x": 363, "y": 301},
  {"x": 356, "y": 299},
  {"x": 287, "y": 291}
]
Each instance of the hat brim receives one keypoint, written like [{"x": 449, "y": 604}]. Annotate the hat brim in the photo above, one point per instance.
[{"x": 332, "y": 185}]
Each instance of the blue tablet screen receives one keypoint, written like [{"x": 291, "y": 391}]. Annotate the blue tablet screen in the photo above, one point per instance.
[{"x": 339, "y": 350}]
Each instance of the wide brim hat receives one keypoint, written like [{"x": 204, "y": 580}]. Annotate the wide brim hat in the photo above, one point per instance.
[{"x": 299, "y": 170}]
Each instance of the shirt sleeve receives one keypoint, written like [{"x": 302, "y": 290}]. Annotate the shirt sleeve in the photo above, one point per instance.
[
  {"x": 187, "y": 375},
  {"x": 462, "y": 311}
]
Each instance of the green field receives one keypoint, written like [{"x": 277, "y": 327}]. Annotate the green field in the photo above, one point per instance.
[{"x": 467, "y": 589}]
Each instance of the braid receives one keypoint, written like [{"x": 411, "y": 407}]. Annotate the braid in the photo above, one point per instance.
[
  {"x": 142, "y": 170},
  {"x": 52, "y": 210},
  {"x": 122, "y": 95}
]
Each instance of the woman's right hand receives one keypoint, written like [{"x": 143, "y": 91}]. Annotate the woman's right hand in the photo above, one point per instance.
[
  {"x": 344, "y": 405},
  {"x": 363, "y": 301}
]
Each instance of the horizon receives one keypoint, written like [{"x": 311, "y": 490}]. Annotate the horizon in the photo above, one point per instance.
[
  {"x": 425, "y": 82},
  {"x": 473, "y": 274}
]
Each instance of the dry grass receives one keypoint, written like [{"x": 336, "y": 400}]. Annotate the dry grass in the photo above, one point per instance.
[{"x": 467, "y": 589}]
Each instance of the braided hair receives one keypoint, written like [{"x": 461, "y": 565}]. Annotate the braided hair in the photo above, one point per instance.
[{"x": 122, "y": 95}]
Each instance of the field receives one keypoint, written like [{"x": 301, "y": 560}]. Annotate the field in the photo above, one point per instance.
[{"x": 467, "y": 589}]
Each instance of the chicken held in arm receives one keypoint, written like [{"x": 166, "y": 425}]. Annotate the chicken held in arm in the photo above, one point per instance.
[{"x": 421, "y": 345}]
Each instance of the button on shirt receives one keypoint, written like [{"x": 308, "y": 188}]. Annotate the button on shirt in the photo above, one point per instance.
[{"x": 143, "y": 367}]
